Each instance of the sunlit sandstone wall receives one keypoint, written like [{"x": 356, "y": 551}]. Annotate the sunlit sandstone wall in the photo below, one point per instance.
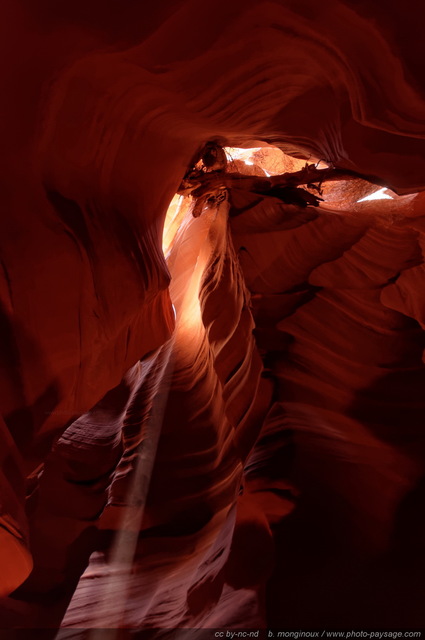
[
  {"x": 327, "y": 290},
  {"x": 208, "y": 423}
]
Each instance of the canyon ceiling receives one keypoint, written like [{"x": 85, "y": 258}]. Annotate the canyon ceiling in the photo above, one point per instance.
[{"x": 212, "y": 412}]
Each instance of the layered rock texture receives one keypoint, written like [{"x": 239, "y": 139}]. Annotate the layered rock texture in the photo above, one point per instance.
[{"x": 212, "y": 411}]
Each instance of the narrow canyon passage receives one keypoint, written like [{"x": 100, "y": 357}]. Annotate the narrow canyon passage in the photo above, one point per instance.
[
  {"x": 208, "y": 424},
  {"x": 212, "y": 265}
]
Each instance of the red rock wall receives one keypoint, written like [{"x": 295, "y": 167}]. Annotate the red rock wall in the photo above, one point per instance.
[
  {"x": 347, "y": 422},
  {"x": 104, "y": 111}
]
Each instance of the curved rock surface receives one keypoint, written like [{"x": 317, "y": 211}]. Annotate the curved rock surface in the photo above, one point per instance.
[{"x": 148, "y": 452}]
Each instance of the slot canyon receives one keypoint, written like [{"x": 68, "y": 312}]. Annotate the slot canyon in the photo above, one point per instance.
[{"x": 212, "y": 316}]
